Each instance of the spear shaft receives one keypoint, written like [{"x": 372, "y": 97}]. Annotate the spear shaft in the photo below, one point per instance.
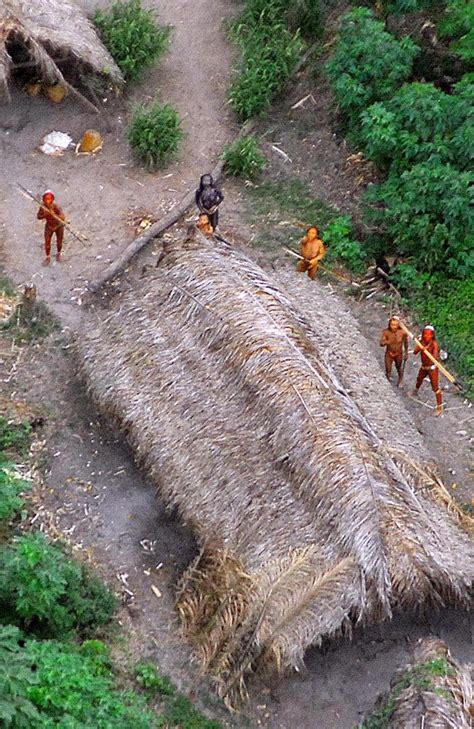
[
  {"x": 323, "y": 268},
  {"x": 52, "y": 213},
  {"x": 437, "y": 364}
]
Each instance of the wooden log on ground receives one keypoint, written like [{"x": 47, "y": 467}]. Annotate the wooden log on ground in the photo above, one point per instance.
[{"x": 119, "y": 265}]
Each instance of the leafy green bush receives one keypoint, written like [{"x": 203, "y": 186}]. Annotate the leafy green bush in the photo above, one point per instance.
[
  {"x": 368, "y": 64},
  {"x": 11, "y": 486},
  {"x": 154, "y": 133},
  {"x": 337, "y": 237},
  {"x": 427, "y": 214},
  {"x": 44, "y": 591},
  {"x": 269, "y": 53},
  {"x": 181, "y": 713},
  {"x": 458, "y": 26},
  {"x": 14, "y": 437},
  {"x": 243, "y": 158},
  {"x": 16, "y": 678},
  {"x": 131, "y": 36},
  {"x": 418, "y": 123},
  {"x": 152, "y": 683},
  {"x": 408, "y": 279},
  {"x": 451, "y": 305},
  {"x": 307, "y": 16}
]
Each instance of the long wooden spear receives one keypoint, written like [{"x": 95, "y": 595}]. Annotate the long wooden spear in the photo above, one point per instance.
[
  {"x": 442, "y": 369},
  {"x": 80, "y": 237},
  {"x": 323, "y": 268}
]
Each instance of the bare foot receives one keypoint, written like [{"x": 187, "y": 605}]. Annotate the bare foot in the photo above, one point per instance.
[
  {"x": 414, "y": 393},
  {"x": 438, "y": 410},
  {"x": 58, "y": 257},
  {"x": 47, "y": 261}
]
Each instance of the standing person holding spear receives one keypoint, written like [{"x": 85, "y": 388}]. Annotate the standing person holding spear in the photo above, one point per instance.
[
  {"x": 428, "y": 348},
  {"x": 55, "y": 222}
]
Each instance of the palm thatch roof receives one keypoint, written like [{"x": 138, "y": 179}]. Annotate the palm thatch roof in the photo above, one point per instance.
[
  {"x": 308, "y": 521},
  {"x": 434, "y": 691},
  {"x": 51, "y": 31}
]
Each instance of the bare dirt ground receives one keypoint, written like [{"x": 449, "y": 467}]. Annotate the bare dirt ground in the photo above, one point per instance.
[{"x": 92, "y": 490}]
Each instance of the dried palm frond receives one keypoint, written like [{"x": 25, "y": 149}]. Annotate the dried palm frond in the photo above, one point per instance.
[
  {"x": 48, "y": 30},
  {"x": 434, "y": 691},
  {"x": 307, "y": 521}
]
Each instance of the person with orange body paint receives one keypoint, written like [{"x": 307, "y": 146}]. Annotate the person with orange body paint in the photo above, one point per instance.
[{"x": 312, "y": 249}]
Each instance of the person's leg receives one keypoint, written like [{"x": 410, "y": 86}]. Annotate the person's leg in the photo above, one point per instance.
[
  {"x": 47, "y": 245},
  {"x": 59, "y": 242},
  {"x": 213, "y": 219},
  {"x": 312, "y": 270},
  {"x": 421, "y": 376},
  {"x": 399, "y": 364},
  {"x": 388, "y": 366},
  {"x": 434, "y": 379},
  {"x": 302, "y": 266}
]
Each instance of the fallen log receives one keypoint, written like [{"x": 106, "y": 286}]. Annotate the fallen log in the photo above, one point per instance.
[{"x": 119, "y": 265}]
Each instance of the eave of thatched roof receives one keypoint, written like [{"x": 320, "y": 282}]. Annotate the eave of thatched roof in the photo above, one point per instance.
[
  {"x": 307, "y": 519},
  {"x": 52, "y": 29},
  {"x": 432, "y": 691}
]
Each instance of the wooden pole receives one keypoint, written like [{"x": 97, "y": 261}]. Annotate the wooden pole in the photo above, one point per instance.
[
  {"x": 119, "y": 265},
  {"x": 442, "y": 369},
  {"x": 323, "y": 268}
]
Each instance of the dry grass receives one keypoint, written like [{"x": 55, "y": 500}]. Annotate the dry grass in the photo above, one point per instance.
[
  {"x": 48, "y": 30},
  {"x": 307, "y": 522}
]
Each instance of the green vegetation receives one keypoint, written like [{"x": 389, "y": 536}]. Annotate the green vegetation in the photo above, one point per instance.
[
  {"x": 132, "y": 37},
  {"x": 422, "y": 140},
  {"x": 269, "y": 202},
  {"x": 458, "y": 26},
  {"x": 368, "y": 65},
  {"x": 11, "y": 488},
  {"x": 154, "y": 133},
  {"x": 151, "y": 682},
  {"x": 342, "y": 247},
  {"x": 45, "y": 592},
  {"x": 243, "y": 158},
  {"x": 421, "y": 676},
  {"x": 269, "y": 54},
  {"x": 14, "y": 438}
]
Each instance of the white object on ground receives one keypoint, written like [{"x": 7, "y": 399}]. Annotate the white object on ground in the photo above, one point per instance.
[{"x": 55, "y": 143}]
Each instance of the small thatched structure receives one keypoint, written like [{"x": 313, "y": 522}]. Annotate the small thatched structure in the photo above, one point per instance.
[
  {"x": 307, "y": 521},
  {"x": 433, "y": 692},
  {"x": 46, "y": 34}
]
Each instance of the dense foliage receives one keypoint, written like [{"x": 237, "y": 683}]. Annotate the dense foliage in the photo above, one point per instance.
[
  {"x": 42, "y": 590},
  {"x": 155, "y": 133},
  {"x": 368, "y": 65},
  {"x": 131, "y": 35},
  {"x": 341, "y": 245},
  {"x": 243, "y": 158},
  {"x": 458, "y": 27},
  {"x": 11, "y": 488},
  {"x": 419, "y": 123},
  {"x": 269, "y": 53},
  {"x": 427, "y": 213}
]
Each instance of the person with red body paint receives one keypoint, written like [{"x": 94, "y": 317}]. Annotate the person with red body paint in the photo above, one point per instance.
[
  {"x": 428, "y": 369},
  {"x": 53, "y": 215}
]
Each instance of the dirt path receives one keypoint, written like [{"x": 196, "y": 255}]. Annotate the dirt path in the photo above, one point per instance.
[{"x": 93, "y": 491}]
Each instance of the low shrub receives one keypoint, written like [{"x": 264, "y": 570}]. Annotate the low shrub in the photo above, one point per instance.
[
  {"x": 368, "y": 65},
  {"x": 131, "y": 36},
  {"x": 307, "y": 16},
  {"x": 15, "y": 438},
  {"x": 181, "y": 713},
  {"x": 458, "y": 26},
  {"x": 151, "y": 682},
  {"x": 45, "y": 592},
  {"x": 154, "y": 133},
  {"x": 11, "y": 488},
  {"x": 243, "y": 158},
  {"x": 337, "y": 237},
  {"x": 427, "y": 214},
  {"x": 269, "y": 53}
]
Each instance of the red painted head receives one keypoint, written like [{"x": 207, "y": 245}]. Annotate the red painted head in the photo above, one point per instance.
[
  {"x": 48, "y": 197},
  {"x": 428, "y": 334}
]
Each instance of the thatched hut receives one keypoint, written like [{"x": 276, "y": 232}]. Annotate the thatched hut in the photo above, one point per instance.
[
  {"x": 49, "y": 36},
  {"x": 308, "y": 521},
  {"x": 434, "y": 692}
]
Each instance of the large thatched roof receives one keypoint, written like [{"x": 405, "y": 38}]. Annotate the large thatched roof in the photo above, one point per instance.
[
  {"x": 307, "y": 518},
  {"x": 434, "y": 691},
  {"x": 50, "y": 31}
]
